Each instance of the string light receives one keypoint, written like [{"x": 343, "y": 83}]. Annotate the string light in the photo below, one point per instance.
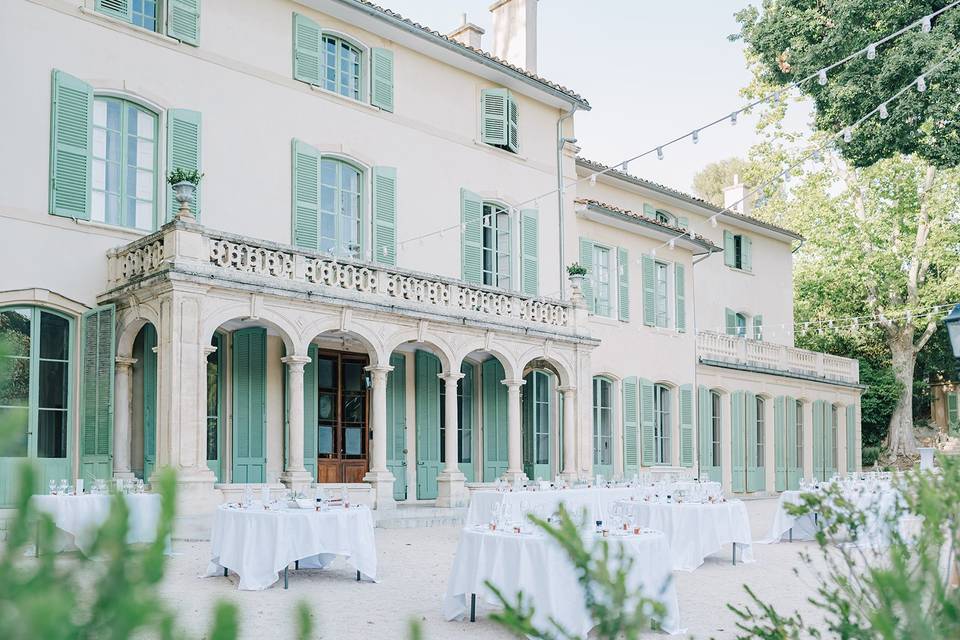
[
  {"x": 713, "y": 221},
  {"x": 696, "y": 136},
  {"x": 884, "y": 114},
  {"x": 822, "y": 77},
  {"x": 733, "y": 118},
  {"x": 847, "y": 135},
  {"x": 872, "y": 52},
  {"x": 927, "y": 24},
  {"x": 659, "y": 153},
  {"x": 672, "y": 244},
  {"x": 921, "y": 84},
  {"x": 593, "y": 180}
]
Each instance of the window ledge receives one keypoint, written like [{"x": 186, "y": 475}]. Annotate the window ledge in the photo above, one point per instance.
[
  {"x": 333, "y": 94},
  {"x": 607, "y": 320},
  {"x": 133, "y": 234},
  {"x": 499, "y": 151},
  {"x": 738, "y": 270},
  {"x": 132, "y": 28}
]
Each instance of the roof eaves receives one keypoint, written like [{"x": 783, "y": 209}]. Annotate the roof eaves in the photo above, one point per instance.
[{"x": 648, "y": 222}]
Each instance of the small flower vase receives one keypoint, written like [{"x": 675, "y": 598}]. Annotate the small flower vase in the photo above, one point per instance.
[{"x": 184, "y": 193}]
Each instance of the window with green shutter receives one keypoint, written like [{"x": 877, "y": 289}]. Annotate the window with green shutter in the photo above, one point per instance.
[
  {"x": 737, "y": 251},
  {"x": 601, "y": 281},
  {"x": 663, "y": 423},
  {"x": 603, "y": 426},
  {"x": 471, "y": 237},
  {"x": 381, "y": 78},
  {"x": 649, "y": 281},
  {"x": 758, "y": 327},
  {"x": 661, "y": 298},
  {"x": 631, "y": 425},
  {"x": 499, "y": 119},
  {"x": 497, "y": 246},
  {"x": 680, "y": 294},
  {"x": 96, "y": 400},
  {"x": 182, "y": 19},
  {"x": 647, "y": 418},
  {"x": 623, "y": 284},
  {"x": 70, "y": 144},
  {"x": 183, "y": 152},
  {"x": 686, "y": 425},
  {"x": 530, "y": 251},
  {"x": 665, "y": 217},
  {"x": 586, "y": 261},
  {"x": 249, "y": 405},
  {"x": 385, "y": 215}
]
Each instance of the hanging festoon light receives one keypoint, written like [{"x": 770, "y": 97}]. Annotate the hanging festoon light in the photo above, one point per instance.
[
  {"x": 659, "y": 153},
  {"x": 692, "y": 235},
  {"x": 696, "y": 136},
  {"x": 713, "y": 221},
  {"x": 884, "y": 114},
  {"x": 847, "y": 135},
  {"x": 921, "y": 84},
  {"x": 672, "y": 244},
  {"x": 926, "y": 24},
  {"x": 593, "y": 180},
  {"x": 822, "y": 77},
  {"x": 733, "y": 118},
  {"x": 872, "y": 52}
]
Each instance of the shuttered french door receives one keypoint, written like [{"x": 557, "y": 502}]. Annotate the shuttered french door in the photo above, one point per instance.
[
  {"x": 249, "y": 405},
  {"x": 494, "y": 394},
  {"x": 538, "y": 431},
  {"x": 397, "y": 425}
]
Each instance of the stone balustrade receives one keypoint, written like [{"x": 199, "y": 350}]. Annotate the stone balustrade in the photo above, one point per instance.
[{"x": 721, "y": 347}]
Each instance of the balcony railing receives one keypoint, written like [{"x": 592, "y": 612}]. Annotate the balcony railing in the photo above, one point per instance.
[
  {"x": 229, "y": 254},
  {"x": 722, "y": 347}
]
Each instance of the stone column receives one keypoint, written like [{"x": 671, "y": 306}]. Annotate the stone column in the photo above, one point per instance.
[
  {"x": 295, "y": 475},
  {"x": 569, "y": 432},
  {"x": 514, "y": 430},
  {"x": 379, "y": 476},
  {"x": 122, "y": 401},
  {"x": 451, "y": 483}
]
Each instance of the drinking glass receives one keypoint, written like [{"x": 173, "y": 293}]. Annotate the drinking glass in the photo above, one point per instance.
[{"x": 53, "y": 487}]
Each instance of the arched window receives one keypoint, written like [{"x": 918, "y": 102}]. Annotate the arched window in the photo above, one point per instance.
[
  {"x": 665, "y": 217},
  {"x": 341, "y": 191},
  {"x": 496, "y": 245},
  {"x": 602, "y": 424},
  {"x": 124, "y": 167},
  {"x": 661, "y": 424},
  {"x": 342, "y": 67}
]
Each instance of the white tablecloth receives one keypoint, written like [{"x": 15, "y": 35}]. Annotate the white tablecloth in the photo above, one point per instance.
[
  {"x": 538, "y": 566},
  {"x": 258, "y": 544},
  {"x": 695, "y": 531},
  {"x": 81, "y": 516},
  {"x": 804, "y": 527},
  {"x": 595, "y": 500}
]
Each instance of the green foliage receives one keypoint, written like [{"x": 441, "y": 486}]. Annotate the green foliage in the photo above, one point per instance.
[
  {"x": 576, "y": 269},
  {"x": 184, "y": 175},
  {"x": 891, "y": 592},
  {"x": 791, "y": 39},
  {"x": 710, "y": 181},
  {"x": 618, "y": 612}
]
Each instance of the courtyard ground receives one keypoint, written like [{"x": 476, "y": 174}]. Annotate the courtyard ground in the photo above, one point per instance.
[{"x": 414, "y": 564}]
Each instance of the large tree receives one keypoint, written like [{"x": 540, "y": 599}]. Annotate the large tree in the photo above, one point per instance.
[{"x": 884, "y": 237}]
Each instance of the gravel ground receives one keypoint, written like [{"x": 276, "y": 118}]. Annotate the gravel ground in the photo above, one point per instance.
[{"x": 414, "y": 565}]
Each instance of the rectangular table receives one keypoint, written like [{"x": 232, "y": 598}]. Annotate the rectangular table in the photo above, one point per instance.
[{"x": 81, "y": 516}]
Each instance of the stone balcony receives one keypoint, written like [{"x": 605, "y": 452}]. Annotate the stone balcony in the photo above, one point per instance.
[
  {"x": 721, "y": 348},
  {"x": 192, "y": 249}
]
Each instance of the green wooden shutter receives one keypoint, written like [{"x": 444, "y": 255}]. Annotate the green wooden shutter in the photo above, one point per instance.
[
  {"x": 623, "y": 283},
  {"x": 494, "y": 116},
  {"x": 494, "y": 420},
  {"x": 794, "y": 470},
  {"x": 729, "y": 249},
  {"x": 385, "y": 215},
  {"x": 754, "y": 465},
  {"x": 586, "y": 261},
  {"x": 249, "y": 404},
  {"x": 686, "y": 425},
  {"x": 683, "y": 222},
  {"x": 96, "y": 412},
  {"x": 649, "y": 210},
  {"x": 183, "y": 152},
  {"x": 647, "y": 456},
  {"x": 121, "y": 9},
  {"x": 851, "y": 431},
  {"x": 183, "y": 21},
  {"x": 70, "y": 144},
  {"x": 730, "y": 322},
  {"x": 467, "y": 459},
  {"x": 150, "y": 400},
  {"x": 513, "y": 125},
  {"x": 818, "y": 429},
  {"x": 738, "y": 464},
  {"x": 396, "y": 424},
  {"x": 381, "y": 78},
  {"x": 471, "y": 238},
  {"x": 306, "y": 50},
  {"x": 780, "y": 443},
  {"x": 746, "y": 253},
  {"x": 310, "y": 417},
  {"x": 530, "y": 251},
  {"x": 306, "y": 196},
  {"x": 680, "y": 292},
  {"x": 758, "y": 327},
  {"x": 648, "y": 275},
  {"x": 953, "y": 411},
  {"x": 630, "y": 425}
]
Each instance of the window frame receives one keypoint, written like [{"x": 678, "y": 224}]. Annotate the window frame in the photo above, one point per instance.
[
  {"x": 662, "y": 424},
  {"x": 798, "y": 434},
  {"x": 741, "y": 329},
  {"x": 598, "y": 309},
  {"x": 599, "y": 412},
  {"x": 661, "y": 320},
  {"x": 363, "y": 220},
  {"x": 665, "y": 217},
  {"x": 499, "y": 211},
  {"x": 716, "y": 425},
  {"x": 760, "y": 427},
  {"x": 363, "y": 78}
]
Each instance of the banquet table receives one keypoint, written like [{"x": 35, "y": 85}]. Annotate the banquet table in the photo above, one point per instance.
[
  {"x": 258, "y": 543},
  {"x": 536, "y": 565},
  {"x": 794, "y": 527},
  {"x": 596, "y": 500},
  {"x": 696, "y": 530},
  {"x": 80, "y": 517}
]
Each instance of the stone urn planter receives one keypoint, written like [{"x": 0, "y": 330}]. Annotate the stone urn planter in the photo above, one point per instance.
[
  {"x": 576, "y": 283},
  {"x": 184, "y": 192}
]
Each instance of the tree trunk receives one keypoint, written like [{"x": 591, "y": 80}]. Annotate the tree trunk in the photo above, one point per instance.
[{"x": 900, "y": 438}]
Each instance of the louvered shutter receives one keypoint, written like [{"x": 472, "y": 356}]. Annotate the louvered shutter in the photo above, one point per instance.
[
  {"x": 306, "y": 196},
  {"x": 183, "y": 152},
  {"x": 623, "y": 283},
  {"x": 851, "y": 431},
  {"x": 471, "y": 238},
  {"x": 495, "y": 400},
  {"x": 306, "y": 50},
  {"x": 730, "y": 322},
  {"x": 150, "y": 400},
  {"x": 680, "y": 292},
  {"x": 686, "y": 425},
  {"x": 396, "y": 424},
  {"x": 630, "y": 425},
  {"x": 385, "y": 215},
  {"x": 121, "y": 9},
  {"x": 953, "y": 411},
  {"x": 381, "y": 78},
  {"x": 513, "y": 125},
  {"x": 818, "y": 429},
  {"x": 729, "y": 250},
  {"x": 649, "y": 277},
  {"x": 96, "y": 422},
  {"x": 647, "y": 455},
  {"x": 738, "y": 464},
  {"x": 586, "y": 261},
  {"x": 494, "y": 116},
  {"x": 310, "y": 418},
  {"x": 70, "y": 144},
  {"x": 683, "y": 222},
  {"x": 758, "y": 327},
  {"x": 753, "y": 464},
  {"x": 780, "y": 443},
  {"x": 650, "y": 211},
  {"x": 746, "y": 253},
  {"x": 530, "y": 251},
  {"x": 249, "y": 404},
  {"x": 183, "y": 21}
]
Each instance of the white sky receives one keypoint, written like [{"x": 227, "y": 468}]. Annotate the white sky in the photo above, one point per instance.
[{"x": 651, "y": 70}]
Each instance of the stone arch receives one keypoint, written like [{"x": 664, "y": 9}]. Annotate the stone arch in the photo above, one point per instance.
[
  {"x": 564, "y": 370},
  {"x": 368, "y": 337},
  {"x": 129, "y": 324},
  {"x": 267, "y": 317},
  {"x": 440, "y": 348},
  {"x": 507, "y": 361}
]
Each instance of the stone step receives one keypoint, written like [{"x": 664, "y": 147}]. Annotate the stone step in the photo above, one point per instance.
[{"x": 416, "y": 516}]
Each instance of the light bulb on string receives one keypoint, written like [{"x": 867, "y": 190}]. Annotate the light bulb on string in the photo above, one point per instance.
[
  {"x": 692, "y": 235},
  {"x": 921, "y": 84},
  {"x": 653, "y": 253},
  {"x": 672, "y": 244},
  {"x": 822, "y": 77},
  {"x": 696, "y": 136},
  {"x": 593, "y": 180},
  {"x": 625, "y": 166},
  {"x": 872, "y": 52},
  {"x": 713, "y": 221},
  {"x": 926, "y": 24},
  {"x": 733, "y": 118},
  {"x": 659, "y": 153},
  {"x": 847, "y": 135},
  {"x": 883, "y": 111}
]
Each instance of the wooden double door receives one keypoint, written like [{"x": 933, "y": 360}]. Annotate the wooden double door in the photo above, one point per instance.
[{"x": 343, "y": 433}]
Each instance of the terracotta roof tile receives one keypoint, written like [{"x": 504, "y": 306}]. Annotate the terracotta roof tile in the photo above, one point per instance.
[{"x": 672, "y": 228}]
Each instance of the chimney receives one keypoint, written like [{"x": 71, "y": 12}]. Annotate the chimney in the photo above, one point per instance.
[
  {"x": 467, "y": 33},
  {"x": 515, "y": 32},
  {"x": 737, "y": 193}
]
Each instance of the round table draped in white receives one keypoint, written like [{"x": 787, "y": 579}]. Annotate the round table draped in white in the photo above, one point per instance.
[
  {"x": 536, "y": 565},
  {"x": 257, "y": 544},
  {"x": 696, "y": 530},
  {"x": 81, "y": 516},
  {"x": 596, "y": 500},
  {"x": 784, "y": 524}
]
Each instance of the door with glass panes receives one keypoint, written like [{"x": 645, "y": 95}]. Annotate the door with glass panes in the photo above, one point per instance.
[
  {"x": 342, "y": 429},
  {"x": 538, "y": 440}
]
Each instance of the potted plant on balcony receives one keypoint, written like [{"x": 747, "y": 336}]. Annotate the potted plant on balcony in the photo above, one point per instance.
[
  {"x": 576, "y": 272},
  {"x": 184, "y": 183}
]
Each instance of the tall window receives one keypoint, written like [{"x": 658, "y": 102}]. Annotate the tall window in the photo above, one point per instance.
[
  {"x": 602, "y": 421},
  {"x": 738, "y": 251},
  {"x": 833, "y": 436},
  {"x": 761, "y": 422},
  {"x": 213, "y": 399},
  {"x": 496, "y": 246},
  {"x": 662, "y": 318},
  {"x": 145, "y": 14},
  {"x": 740, "y": 326},
  {"x": 341, "y": 67},
  {"x": 340, "y": 207},
  {"x": 799, "y": 434},
  {"x": 464, "y": 432},
  {"x": 601, "y": 281},
  {"x": 33, "y": 395},
  {"x": 661, "y": 424},
  {"x": 124, "y": 183},
  {"x": 715, "y": 418}
]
